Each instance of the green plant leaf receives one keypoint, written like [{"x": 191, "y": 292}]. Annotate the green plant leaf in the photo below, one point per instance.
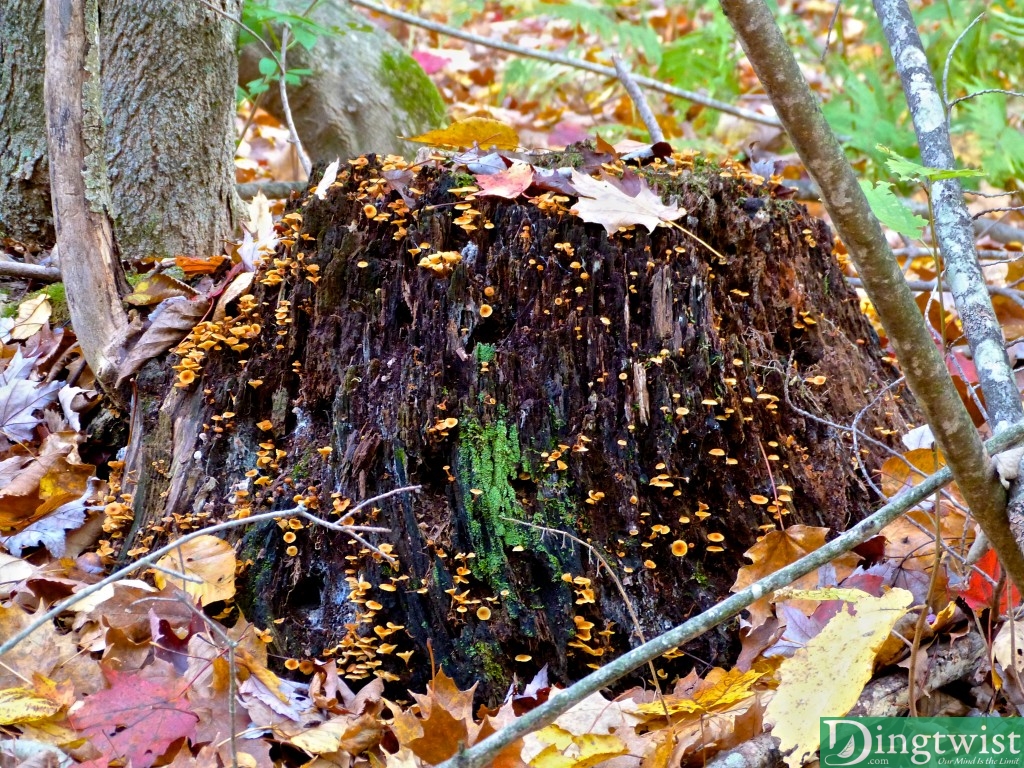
[
  {"x": 268, "y": 67},
  {"x": 891, "y": 211},
  {"x": 908, "y": 170}
]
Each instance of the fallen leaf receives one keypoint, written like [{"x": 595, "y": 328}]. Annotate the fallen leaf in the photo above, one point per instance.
[
  {"x": 49, "y": 530},
  {"x": 462, "y": 134},
  {"x": 602, "y": 203},
  {"x": 173, "y": 323},
  {"x": 153, "y": 290},
  {"x": 826, "y": 677},
  {"x": 329, "y": 177},
  {"x": 135, "y": 720},
  {"x": 509, "y": 184},
  {"x": 32, "y": 315},
  {"x": 209, "y": 561},
  {"x": 777, "y": 550}
]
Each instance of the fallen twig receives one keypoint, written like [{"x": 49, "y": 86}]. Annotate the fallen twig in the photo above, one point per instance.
[{"x": 639, "y": 100}]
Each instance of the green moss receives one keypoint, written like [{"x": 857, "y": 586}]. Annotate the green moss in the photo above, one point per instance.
[
  {"x": 58, "y": 303},
  {"x": 411, "y": 89},
  {"x": 484, "y": 353},
  {"x": 489, "y": 458},
  {"x": 487, "y": 657}
]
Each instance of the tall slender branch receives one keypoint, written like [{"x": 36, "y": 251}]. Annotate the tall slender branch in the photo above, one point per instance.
[
  {"x": 883, "y": 280},
  {"x": 954, "y": 232},
  {"x": 78, "y": 185}
]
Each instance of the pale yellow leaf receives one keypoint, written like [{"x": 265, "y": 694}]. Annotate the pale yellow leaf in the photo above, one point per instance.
[
  {"x": 33, "y": 314},
  {"x": 826, "y": 677},
  {"x": 209, "y": 563},
  {"x": 20, "y": 705}
]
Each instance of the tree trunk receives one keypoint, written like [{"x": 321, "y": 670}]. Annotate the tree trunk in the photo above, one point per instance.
[
  {"x": 168, "y": 81},
  {"x": 169, "y": 74},
  {"x": 626, "y": 390},
  {"x": 24, "y": 174}
]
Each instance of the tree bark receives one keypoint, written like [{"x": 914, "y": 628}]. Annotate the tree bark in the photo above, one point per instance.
[
  {"x": 169, "y": 74},
  {"x": 24, "y": 174},
  {"x": 582, "y": 403}
]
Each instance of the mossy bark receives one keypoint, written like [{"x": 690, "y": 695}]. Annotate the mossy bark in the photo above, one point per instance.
[
  {"x": 626, "y": 390},
  {"x": 24, "y": 172}
]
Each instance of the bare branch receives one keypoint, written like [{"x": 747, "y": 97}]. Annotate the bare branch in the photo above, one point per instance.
[{"x": 568, "y": 61}]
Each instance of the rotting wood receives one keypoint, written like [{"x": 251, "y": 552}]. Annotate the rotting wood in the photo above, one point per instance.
[{"x": 379, "y": 352}]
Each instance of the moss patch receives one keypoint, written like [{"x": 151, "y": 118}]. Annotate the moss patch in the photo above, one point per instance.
[{"x": 411, "y": 89}]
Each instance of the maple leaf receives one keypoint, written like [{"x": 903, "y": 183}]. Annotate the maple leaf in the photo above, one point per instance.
[
  {"x": 602, "y": 203},
  {"x": 482, "y": 131},
  {"x": 134, "y": 720},
  {"x": 20, "y": 398},
  {"x": 980, "y": 590},
  {"x": 777, "y": 550}
]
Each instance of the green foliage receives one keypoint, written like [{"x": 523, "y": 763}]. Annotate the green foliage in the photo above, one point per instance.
[
  {"x": 484, "y": 353},
  {"x": 908, "y": 170},
  {"x": 892, "y": 211},
  {"x": 592, "y": 17},
  {"x": 262, "y": 16},
  {"x": 706, "y": 59}
]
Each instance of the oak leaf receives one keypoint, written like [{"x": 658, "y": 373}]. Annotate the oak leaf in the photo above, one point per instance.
[{"x": 600, "y": 202}]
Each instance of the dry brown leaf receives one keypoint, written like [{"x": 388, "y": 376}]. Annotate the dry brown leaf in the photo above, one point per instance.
[
  {"x": 777, "y": 550},
  {"x": 209, "y": 561}
]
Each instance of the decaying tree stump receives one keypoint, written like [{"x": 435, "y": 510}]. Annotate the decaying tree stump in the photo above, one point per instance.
[{"x": 627, "y": 390}]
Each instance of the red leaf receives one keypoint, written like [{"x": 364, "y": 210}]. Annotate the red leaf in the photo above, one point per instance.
[
  {"x": 135, "y": 720},
  {"x": 978, "y": 593}
]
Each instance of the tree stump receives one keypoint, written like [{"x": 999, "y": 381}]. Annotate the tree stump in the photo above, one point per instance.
[{"x": 623, "y": 395}]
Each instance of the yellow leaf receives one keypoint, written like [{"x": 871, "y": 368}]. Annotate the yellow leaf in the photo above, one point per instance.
[
  {"x": 209, "y": 564},
  {"x": 481, "y": 131},
  {"x": 20, "y": 705},
  {"x": 33, "y": 314},
  {"x": 581, "y": 752},
  {"x": 826, "y": 677}
]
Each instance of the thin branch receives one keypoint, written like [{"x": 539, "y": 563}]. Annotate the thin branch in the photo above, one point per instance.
[
  {"x": 949, "y": 61},
  {"x": 639, "y": 100},
  {"x": 152, "y": 557},
  {"x": 923, "y": 286},
  {"x": 485, "y": 751},
  {"x": 983, "y": 92},
  {"x": 618, "y": 585},
  {"x": 279, "y": 60},
  {"x": 282, "y": 82},
  {"x": 953, "y": 232},
  {"x": 568, "y": 61},
  {"x": 29, "y": 271}
]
